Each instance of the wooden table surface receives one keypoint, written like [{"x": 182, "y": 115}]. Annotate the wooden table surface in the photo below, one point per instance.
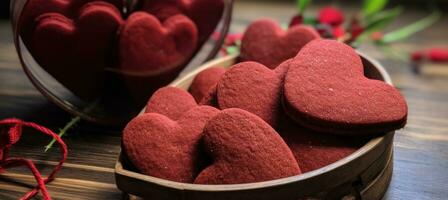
[{"x": 421, "y": 148}]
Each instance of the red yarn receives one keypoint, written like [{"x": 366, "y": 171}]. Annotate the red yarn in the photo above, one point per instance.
[
  {"x": 330, "y": 15},
  {"x": 12, "y": 136}
]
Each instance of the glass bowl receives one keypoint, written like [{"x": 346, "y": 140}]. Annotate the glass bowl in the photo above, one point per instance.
[{"x": 116, "y": 106}]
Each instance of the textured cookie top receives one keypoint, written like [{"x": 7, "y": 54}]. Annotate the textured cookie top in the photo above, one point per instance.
[
  {"x": 244, "y": 149},
  {"x": 267, "y": 43},
  {"x": 325, "y": 89}
]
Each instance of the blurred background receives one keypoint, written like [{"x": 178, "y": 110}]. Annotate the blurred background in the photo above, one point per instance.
[
  {"x": 421, "y": 148},
  {"x": 442, "y": 4}
]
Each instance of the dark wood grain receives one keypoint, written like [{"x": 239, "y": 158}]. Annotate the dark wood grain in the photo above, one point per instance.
[{"x": 421, "y": 148}]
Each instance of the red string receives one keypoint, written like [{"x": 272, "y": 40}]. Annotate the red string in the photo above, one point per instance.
[
  {"x": 12, "y": 137},
  {"x": 15, "y": 162}
]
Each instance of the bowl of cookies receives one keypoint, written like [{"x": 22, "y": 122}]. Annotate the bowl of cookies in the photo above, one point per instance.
[{"x": 293, "y": 116}]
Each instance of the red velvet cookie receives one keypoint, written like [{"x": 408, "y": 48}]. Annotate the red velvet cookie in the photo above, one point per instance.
[
  {"x": 210, "y": 98},
  {"x": 206, "y": 14},
  {"x": 170, "y": 101},
  {"x": 71, "y": 50},
  {"x": 68, "y": 8},
  {"x": 205, "y": 81},
  {"x": 244, "y": 149},
  {"x": 160, "y": 147},
  {"x": 149, "y": 48},
  {"x": 265, "y": 42},
  {"x": 326, "y": 90},
  {"x": 253, "y": 87},
  {"x": 314, "y": 150}
]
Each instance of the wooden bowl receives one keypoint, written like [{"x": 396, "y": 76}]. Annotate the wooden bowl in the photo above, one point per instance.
[{"x": 365, "y": 174}]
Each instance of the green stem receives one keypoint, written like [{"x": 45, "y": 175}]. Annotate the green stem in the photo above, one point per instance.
[
  {"x": 302, "y": 5},
  {"x": 394, "y": 53},
  {"x": 62, "y": 132},
  {"x": 411, "y": 29},
  {"x": 71, "y": 124}
]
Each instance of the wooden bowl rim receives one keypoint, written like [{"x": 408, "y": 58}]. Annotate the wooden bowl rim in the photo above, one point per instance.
[{"x": 258, "y": 185}]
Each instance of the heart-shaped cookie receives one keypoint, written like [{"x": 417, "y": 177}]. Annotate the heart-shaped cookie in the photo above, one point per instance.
[
  {"x": 68, "y": 8},
  {"x": 244, "y": 149},
  {"x": 267, "y": 43},
  {"x": 71, "y": 50},
  {"x": 253, "y": 87},
  {"x": 210, "y": 98},
  {"x": 206, "y": 14},
  {"x": 325, "y": 90},
  {"x": 149, "y": 48},
  {"x": 205, "y": 81},
  {"x": 170, "y": 101},
  {"x": 160, "y": 147},
  {"x": 314, "y": 150}
]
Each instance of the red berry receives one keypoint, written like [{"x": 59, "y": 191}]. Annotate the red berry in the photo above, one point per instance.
[
  {"x": 417, "y": 56},
  {"x": 232, "y": 38},
  {"x": 296, "y": 20},
  {"x": 330, "y": 15},
  {"x": 377, "y": 36},
  {"x": 355, "y": 29},
  {"x": 338, "y": 32},
  {"x": 438, "y": 55}
]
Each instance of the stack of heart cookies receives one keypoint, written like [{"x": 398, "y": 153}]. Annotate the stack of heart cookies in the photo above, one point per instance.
[
  {"x": 78, "y": 41},
  {"x": 294, "y": 104}
]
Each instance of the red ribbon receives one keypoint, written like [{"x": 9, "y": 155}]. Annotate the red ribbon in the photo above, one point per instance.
[{"x": 12, "y": 136}]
